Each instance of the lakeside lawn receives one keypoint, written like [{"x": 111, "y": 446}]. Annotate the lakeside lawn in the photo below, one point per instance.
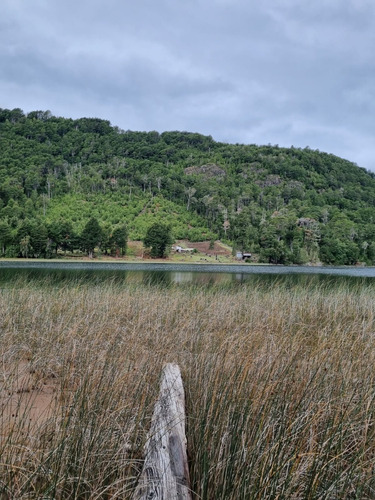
[{"x": 279, "y": 384}]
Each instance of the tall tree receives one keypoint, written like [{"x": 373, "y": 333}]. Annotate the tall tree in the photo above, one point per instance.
[
  {"x": 60, "y": 233},
  {"x": 119, "y": 239},
  {"x": 158, "y": 239},
  {"x": 5, "y": 236},
  {"x": 91, "y": 236}
]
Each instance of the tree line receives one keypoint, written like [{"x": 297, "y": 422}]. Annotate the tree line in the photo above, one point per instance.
[{"x": 33, "y": 239}]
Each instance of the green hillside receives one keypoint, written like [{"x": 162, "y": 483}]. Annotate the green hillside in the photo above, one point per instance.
[{"x": 283, "y": 204}]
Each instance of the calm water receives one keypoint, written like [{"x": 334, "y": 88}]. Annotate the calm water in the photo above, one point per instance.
[{"x": 168, "y": 274}]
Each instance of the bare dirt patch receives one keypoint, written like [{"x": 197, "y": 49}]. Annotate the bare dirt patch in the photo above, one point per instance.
[
  {"x": 27, "y": 397},
  {"x": 204, "y": 247}
]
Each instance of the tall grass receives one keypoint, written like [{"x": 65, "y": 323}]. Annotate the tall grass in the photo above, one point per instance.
[{"x": 279, "y": 381}]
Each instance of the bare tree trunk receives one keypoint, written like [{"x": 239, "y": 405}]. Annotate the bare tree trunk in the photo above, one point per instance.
[{"x": 165, "y": 474}]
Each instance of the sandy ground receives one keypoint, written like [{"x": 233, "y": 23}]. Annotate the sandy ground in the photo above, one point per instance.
[{"x": 27, "y": 397}]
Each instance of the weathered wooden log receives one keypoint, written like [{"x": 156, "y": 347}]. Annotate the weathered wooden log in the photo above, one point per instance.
[{"x": 165, "y": 474}]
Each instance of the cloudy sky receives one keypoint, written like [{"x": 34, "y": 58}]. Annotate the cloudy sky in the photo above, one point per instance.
[{"x": 287, "y": 72}]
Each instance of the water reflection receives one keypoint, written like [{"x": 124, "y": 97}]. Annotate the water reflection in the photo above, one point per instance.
[
  {"x": 180, "y": 277},
  {"x": 159, "y": 278},
  {"x": 194, "y": 275}
]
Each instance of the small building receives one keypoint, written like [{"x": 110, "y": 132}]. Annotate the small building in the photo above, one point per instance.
[
  {"x": 179, "y": 249},
  {"x": 243, "y": 255}
]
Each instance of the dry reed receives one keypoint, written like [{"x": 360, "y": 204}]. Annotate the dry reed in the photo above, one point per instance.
[{"x": 279, "y": 383}]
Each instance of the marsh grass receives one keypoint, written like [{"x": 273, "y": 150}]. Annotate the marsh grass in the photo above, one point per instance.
[{"x": 279, "y": 381}]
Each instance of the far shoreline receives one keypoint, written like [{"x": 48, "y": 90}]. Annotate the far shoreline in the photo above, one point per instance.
[{"x": 168, "y": 266}]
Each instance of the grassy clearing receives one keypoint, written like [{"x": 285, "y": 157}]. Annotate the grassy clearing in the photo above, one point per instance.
[{"x": 279, "y": 382}]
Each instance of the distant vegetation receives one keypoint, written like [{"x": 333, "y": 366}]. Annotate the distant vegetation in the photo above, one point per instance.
[{"x": 285, "y": 205}]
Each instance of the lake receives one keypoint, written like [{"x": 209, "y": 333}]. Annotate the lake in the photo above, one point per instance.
[{"x": 166, "y": 273}]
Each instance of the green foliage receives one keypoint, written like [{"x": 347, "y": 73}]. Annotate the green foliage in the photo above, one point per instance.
[
  {"x": 32, "y": 239},
  {"x": 335, "y": 251},
  {"x": 61, "y": 235},
  {"x": 5, "y": 236},
  {"x": 119, "y": 239},
  {"x": 285, "y": 204},
  {"x": 91, "y": 236},
  {"x": 158, "y": 239}
]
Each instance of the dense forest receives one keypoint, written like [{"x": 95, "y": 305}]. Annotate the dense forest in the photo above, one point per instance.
[{"x": 60, "y": 177}]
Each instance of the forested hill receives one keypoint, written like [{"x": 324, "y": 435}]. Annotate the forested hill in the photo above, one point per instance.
[{"x": 282, "y": 204}]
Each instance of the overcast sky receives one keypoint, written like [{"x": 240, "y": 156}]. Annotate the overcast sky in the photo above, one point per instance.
[{"x": 287, "y": 72}]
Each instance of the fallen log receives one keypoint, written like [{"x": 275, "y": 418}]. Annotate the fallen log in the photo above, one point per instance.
[{"x": 165, "y": 474}]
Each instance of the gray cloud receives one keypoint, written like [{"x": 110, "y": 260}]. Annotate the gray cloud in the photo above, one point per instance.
[{"x": 282, "y": 71}]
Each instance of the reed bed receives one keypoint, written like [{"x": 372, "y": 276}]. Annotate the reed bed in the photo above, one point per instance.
[{"x": 279, "y": 381}]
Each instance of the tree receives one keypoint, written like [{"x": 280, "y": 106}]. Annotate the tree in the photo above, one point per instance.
[
  {"x": 25, "y": 246},
  {"x": 5, "y": 236},
  {"x": 119, "y": 239},
  {"x": 39, "y": 239},
  {"x": 243, "y": 233},
  {"x": 60, "y": 233},
  {"x": 32, "y": 237},
  {"x": 275, "y": 254},
  {"x": 190, "y": 191},
  {"x": 91, "y": 236},
  {"x": 338, "y": 252},
  {"x": 158, "y": 238}
]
